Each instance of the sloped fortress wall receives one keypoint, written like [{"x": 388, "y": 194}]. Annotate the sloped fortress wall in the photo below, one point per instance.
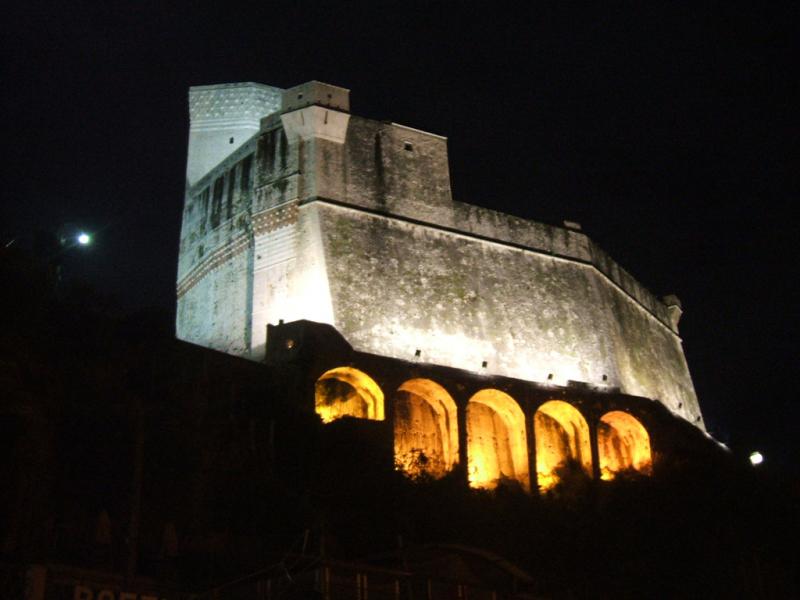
[
  {"x": 334, "y": 218},
  {"x": 524, "y": 314}
]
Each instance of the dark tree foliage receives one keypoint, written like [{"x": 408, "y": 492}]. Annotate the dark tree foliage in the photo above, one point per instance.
[{"x": 235, "y": 475}]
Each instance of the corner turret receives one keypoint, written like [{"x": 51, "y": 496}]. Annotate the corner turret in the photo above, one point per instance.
[{"x": 222, "y": 117}]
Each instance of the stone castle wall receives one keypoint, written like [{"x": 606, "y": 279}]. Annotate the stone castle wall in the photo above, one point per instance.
[
  {"x": 350, "y": 221},
  {"x": 400, "y": 288}
]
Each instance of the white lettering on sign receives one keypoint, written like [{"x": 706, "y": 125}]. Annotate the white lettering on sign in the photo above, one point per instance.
[{"x": 82, "y": 592}]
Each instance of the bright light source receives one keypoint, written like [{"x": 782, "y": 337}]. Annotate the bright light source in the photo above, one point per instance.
[
  {"x": 84, "y": 238},
  {"x": 756, "y": 458}
]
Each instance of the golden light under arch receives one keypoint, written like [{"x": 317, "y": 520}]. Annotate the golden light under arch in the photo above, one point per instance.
[
  {"x": 562, "y": 437},
  {"x": 425, "y": 428},
  {"x": 497, "y": 445},
  {"x": 623, "y": 444},
  {"x": 347, "y": 392}
]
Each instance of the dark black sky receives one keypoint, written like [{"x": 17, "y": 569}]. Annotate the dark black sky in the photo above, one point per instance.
[{"x": 669, "y": 133}]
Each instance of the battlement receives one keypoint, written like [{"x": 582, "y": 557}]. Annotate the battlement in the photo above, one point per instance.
[{"x": 316, "y": 93}]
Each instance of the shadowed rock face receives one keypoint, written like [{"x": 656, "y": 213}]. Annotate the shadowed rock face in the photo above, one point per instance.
[{"x": 343, "y": 220}]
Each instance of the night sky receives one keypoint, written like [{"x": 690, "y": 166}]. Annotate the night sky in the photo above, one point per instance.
[{"x": 669, "y": 133}]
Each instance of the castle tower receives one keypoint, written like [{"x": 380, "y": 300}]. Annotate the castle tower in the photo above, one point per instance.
[
  {"x": 330, "y": 217},
  {"x": 223, "y": 117}
]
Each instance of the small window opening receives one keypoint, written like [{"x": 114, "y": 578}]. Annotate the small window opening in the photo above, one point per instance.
[
  {"x": 418, "y": 353},
  {"x": 484, "y": 364},
  {"x": 230, "y": 141},
  {"x": 299, "y": 96},
  {"x": 605, "y": 377},
  {"x": 409, "y": 147},
  {"x": 289, "y": 344},
  {"x": 549, "y": 377}
]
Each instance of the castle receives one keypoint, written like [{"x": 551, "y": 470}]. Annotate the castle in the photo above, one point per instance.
[{"x": 300, "y": 216}]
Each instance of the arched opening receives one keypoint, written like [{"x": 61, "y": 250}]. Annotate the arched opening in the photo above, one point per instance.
[
  {"x": 562, "y": 442},
  {"x": 425, "y": 429},
  {"x": 497, "y": 446},
  {"x": 348, "y": 392},
  {"x": 623, "y": 445}
]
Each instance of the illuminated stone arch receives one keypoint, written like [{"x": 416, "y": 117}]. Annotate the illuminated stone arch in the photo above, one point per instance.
[
  {"x": 425, "y": 428},
  {"x": 497, "y": 445},
  {"x": 562, "y": 438},
  {"x": 347, "y": 392},
  {"x": 623, "y": 444}
]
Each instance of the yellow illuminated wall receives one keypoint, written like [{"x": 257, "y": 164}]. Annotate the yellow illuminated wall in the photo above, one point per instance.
[
  {"x": 562, "y": 437},
  {"x": 623, "y": 444},
  {"x": 497, "y": 444},
  {"x": 348, "y": 392},
  {"x": 425, "y": 428}
]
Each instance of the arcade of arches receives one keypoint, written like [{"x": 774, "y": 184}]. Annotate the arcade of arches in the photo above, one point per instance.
[{"x": 426, "y": 432}]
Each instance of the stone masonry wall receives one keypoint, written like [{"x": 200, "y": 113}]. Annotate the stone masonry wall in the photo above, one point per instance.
[
  {"x": 215, "y": 260},
  {"x": 392, "y": 169},
  {"x": 339, "y": 219},
  {"x": 398, "y": 288}
]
